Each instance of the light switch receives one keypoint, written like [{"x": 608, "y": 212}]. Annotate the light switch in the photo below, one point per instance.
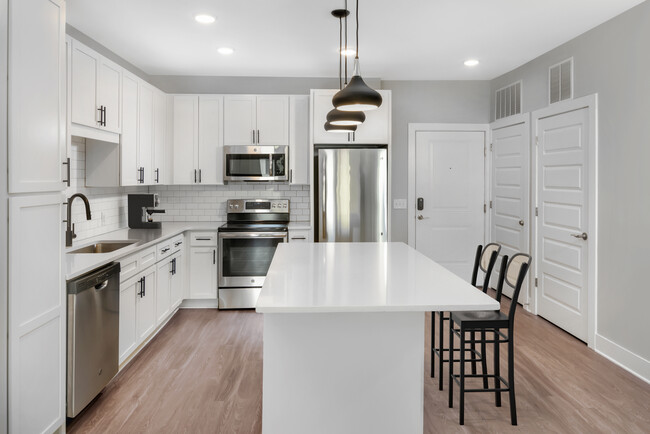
[{"x": 399, "y": 203}]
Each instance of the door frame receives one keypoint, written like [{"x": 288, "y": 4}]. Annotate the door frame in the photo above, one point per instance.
[
  {"x": 523, "y": 118},
  {"x": 413, "y": 129},
  {"x": 589, "y": 102}
]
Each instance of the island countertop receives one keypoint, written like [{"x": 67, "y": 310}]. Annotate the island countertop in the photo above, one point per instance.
[{"x": 363, "y": 277}]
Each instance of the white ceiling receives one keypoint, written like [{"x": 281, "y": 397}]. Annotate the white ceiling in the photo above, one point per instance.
[{"x": 407, "y": 39}]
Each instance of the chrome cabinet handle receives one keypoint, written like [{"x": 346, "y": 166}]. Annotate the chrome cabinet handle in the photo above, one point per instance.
[
  {"x": 166, "y": 249},
  {"x": 258, "y": 136},
  {"x": 199, "y": 176},
  {"x": 521, "y": 222},
  {"x": 253, "y": 131},
  {"x": 195, "y": 176},
  {"x": 420, "y": 217},
  {"x": 67, "y": 164},
  {"x": 582, "y": 235}
]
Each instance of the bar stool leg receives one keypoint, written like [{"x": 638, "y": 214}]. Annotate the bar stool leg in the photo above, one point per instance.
[
  {"x": 473, "y": 347},
  {"x": 484, "y": 361},
  {"x": 433, "y": 344},
  {"x": 441, "y": 346},
  {"x": 451, "y": 365},
  {"x": 497, "y": 369},
  {"x": 462, "y": 376},
  {"x": 511, "y": 378}
]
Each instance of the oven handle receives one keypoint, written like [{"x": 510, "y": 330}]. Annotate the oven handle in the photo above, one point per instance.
[{"x": 253, "y": 234}]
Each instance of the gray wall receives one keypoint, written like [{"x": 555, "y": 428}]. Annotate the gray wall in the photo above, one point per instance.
[
  {"x": 4, "y": 230},
  {"x": 428, "y": 101},
  {"x": 613, "y": 60}
]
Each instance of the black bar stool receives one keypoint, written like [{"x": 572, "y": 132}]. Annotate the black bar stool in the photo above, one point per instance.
[
  {"x": 484, "y": 260},
  {"x": 490, "y": 321}
]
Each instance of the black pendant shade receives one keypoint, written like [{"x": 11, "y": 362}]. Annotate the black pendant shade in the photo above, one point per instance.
[
  {"x": 340, "y": 128},
  {"x": 339, "y": 117},
  {"x": 357, "y": 96}
]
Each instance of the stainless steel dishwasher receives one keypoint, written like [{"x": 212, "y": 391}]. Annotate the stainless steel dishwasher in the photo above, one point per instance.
[{"x": 93, "y": 334}]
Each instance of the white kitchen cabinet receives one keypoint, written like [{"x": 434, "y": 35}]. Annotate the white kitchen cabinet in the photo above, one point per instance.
[
  {"x": 203, "y": 272},
  {"x": 36, "y": 306},
  {"x": 145, "y": 132},
  {"x": 209, "y": 155},
  {"x": 177, "y": 279},
  {"x": 128, "y": 336},
  {"x": 299, "y": 139},
  {"x": 164, "y": 271},
  {"x": 375, "y": 130},
  {"x": 96, "y": 84},
  {"x": 160, "y": 144},
  {"x": 300, "y": 235},
  {"x": 250, "y": 120},
  {"x": 186, "y": 136},
  {"x": 145, "y": 305},
  {"x": 130, "y": 172},
  {"x": 36, "y": 111}
]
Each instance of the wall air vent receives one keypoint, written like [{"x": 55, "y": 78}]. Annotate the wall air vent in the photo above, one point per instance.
[
  {"x": 560, "y": 81},
  {"x": 508, "y": 100}
]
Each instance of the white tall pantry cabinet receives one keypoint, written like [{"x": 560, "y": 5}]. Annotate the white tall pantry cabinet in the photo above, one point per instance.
[{"x": 36, "y": 110}]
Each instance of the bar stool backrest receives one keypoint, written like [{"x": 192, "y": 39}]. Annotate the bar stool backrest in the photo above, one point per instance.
[
  {"x": 488, "y": 260},
  {"x": 514, "y": 275}
]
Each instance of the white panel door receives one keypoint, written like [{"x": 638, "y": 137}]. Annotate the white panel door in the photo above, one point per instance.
[
  {"x": 210, "y": 156},
  {"x": 160, "y": 175},
  {"x": 37, "y": 314},
  {"x": 36, "y": 96},
  {"x": 145, "y": 305},
  {"x": 272, "y": 120},
  {"x": 239, "y": 122},
  {"x": 129, "y": 174},
  {"x": 145, "y": 132},
  {"x": 186, "y": 136},
  {"x": 510, "y": 225},
  {"x": 203, "y": 272},
  {"x": 449, "y": 179},
  {"x": 108, "y": 93},
  {"x": 163, "y": 289},
  {"x": 321, "y": 106},
  {"x": 562, "y": 195},
  {"x": 376, "y": 127},
  {"x": 85, "y": 70},
  {"x": 299, "y": 139},
  {"x": 128, "y": 335}
]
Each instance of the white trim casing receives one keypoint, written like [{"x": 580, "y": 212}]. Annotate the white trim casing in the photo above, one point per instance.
[
  {"x": 590, "y": 102},
  {"x": 414, "y": 128},
  {"x": 623, "y": 357}
]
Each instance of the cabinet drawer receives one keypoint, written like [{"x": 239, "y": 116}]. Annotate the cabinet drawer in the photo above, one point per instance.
[
  {"x": 299, "y": 236},
  {"x": 164, "y": 249},
  {"x": 137, "y": 262},
  {"x": 177, "y": 242},
  {"x": 203, "y": 239}
]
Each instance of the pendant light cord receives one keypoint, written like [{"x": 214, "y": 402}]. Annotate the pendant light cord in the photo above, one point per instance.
[
  {"x": 357, "y": 16},
  {"x": 346, "y": 43},
  {"x": 340, "y": 44}
]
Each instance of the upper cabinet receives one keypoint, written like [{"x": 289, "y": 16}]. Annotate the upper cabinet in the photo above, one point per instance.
[
  {"x": 299, "y": 139},
  {"x": 96, "y": 85},
  {"x": 256, "y": 120},
  {"x": 130, "y": 173},
  {"x": 36, "y": 111},
  {"x": 375, "y": 130}
]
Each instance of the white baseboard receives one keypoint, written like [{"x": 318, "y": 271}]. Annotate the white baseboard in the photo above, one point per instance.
[
  {"x": 623, "y": 357},
  {"x": 208, "y": 303}
]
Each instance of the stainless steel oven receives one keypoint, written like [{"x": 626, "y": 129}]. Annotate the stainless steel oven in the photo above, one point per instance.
[
  {"x": 247, "y": 243},
  {"x": 256, "y": 163}
]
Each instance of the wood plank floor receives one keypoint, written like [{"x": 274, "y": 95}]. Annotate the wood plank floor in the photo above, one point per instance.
[{"x": 203, "y": 374}]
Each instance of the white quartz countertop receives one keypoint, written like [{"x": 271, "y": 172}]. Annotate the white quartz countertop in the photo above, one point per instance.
[
  {"x": 363, "y": 277},
  {"x": 80, "y": 263}
]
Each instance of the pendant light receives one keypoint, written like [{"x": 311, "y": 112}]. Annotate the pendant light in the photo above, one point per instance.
[
  {"x": 337, "y": 120},
  {"x": 357, "y": 95}
]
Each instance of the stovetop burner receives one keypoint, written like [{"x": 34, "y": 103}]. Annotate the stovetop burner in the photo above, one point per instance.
[{"x": 257, "y": 215}]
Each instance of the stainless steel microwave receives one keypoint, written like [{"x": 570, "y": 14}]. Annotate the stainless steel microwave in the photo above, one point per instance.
[{"x": 256, "y": 163}]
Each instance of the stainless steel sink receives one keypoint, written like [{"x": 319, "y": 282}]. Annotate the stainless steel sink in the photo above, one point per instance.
[{"x": 104, "y": 247}]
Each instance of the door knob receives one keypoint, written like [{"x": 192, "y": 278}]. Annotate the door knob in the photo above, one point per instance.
[
  {"x": 521, "y": 222},
  {"x": 582, "y": 235},
  {"x": 420, "y": 217}
]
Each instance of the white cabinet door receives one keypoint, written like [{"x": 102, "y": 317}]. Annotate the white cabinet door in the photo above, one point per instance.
[
  {"x": 160, "y": 175},
  {"x": 164, "y": 269},
  {"x": 299, "y": 235},
  {"x": 145, "y": 132},
  {"x": 210, "y": 158},
  {"x": 108, "y": 93},
  {"x": 37, "y": 96},
  {"x": 186, "y": 136},
  {"x": 145, "y": 305},
  {"x": 321, "y": 105},
  {"x": 130, "y": 174},
  {"x": 299, "y": 139},
  {"x": 272, "y": 120},
  {"x": 37, "y": 307},
  {"x": 85, "y": 70},
  {"x": 376, "y": 128},
  {"x": 177, "y": 280},
  {"x": 128, "y": 335},
  {"x": 239, "y": 123},
  {"x": 203, "y": 272}
]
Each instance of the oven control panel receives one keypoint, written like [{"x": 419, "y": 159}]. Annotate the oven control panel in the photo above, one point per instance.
[{"x": 257, "y": 206}]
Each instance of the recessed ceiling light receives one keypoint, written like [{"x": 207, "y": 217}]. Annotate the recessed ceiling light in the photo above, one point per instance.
[
  {"x": 225, "y": 51},
  {"x": 471, "y": 62},
  {"x": 348, "y": 52},
  {"x": 204, "y": 19}
]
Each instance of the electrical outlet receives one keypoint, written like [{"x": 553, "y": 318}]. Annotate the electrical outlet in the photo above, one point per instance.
[{"x": 399, "y": 203}]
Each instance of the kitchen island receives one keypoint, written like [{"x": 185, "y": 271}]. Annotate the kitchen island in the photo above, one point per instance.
[{"x": 344, "y": 335}]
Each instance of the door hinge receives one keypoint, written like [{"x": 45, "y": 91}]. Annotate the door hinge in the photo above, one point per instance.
[
  {"x": 485, "y": 151},
  {"x": 484, "y": 208},
  {"x": 491, "y": 147},
  {"x": 536, "y": 212},
  {"x": 490, "y": 204},
  {"x": 537, "y": 140},
  {"x": 536, "y": 282}
]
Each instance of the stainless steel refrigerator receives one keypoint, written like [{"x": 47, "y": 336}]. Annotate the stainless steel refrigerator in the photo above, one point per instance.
[{"x": 351, "y": 193}]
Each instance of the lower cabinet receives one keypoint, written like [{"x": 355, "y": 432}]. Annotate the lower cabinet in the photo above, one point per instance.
[
  {"x": 169, "y": 286},
  {"x": 300, "y": 235},
  {"x": 128, "y": 339},
  {"x": 177, "y": 280},
  {"x": 145, "y": 305},
  {"x": 203, "y": 272}
]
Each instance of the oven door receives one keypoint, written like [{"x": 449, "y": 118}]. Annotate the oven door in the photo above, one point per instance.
[
  {"x": 245, "y": 257},
  {"x": 256, "y": 163}
]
